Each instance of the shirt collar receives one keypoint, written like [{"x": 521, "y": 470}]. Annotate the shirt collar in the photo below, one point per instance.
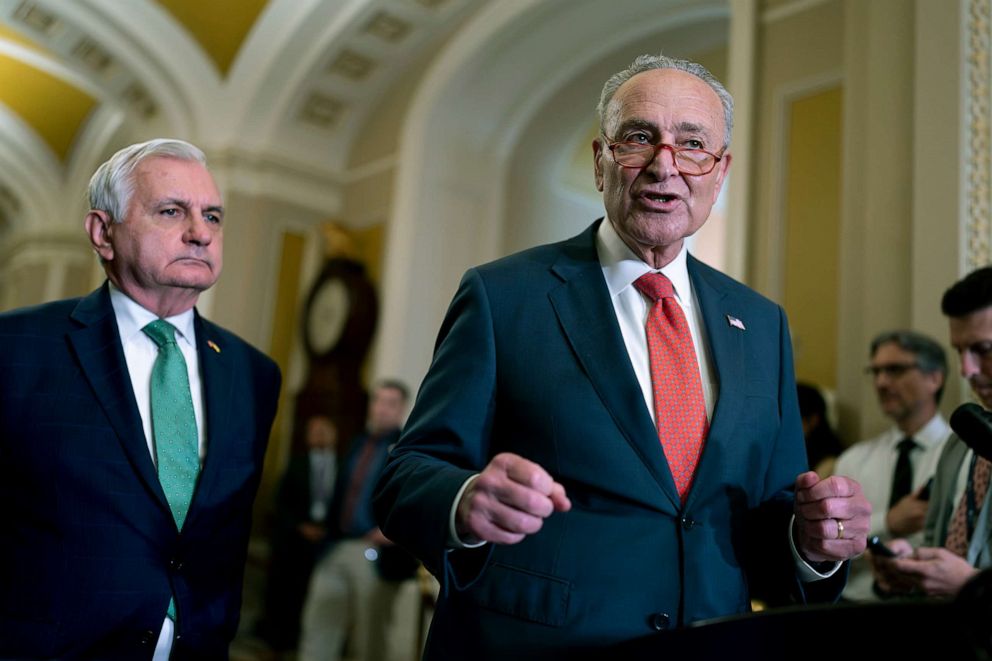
[
  {"x": 621, "y": 266},
  {"x": 931, "y": 433},
  {"x": 131, "y": 318}
]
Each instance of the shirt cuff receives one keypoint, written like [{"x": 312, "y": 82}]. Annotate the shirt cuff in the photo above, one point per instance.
[
  {"x": 807, "y": 572},
  {"x": 454, "y": 541}
]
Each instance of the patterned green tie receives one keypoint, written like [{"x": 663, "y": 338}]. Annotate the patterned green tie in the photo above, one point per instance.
[{"x": 173, "y": 424}]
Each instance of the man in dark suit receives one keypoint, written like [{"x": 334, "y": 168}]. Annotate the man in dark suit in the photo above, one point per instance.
[
  {"x": 352, "y": 590},
  {"x": 587, "y": 464},
  {"x": 299, "y": 532},
  {"x": 132, "y": 433}
]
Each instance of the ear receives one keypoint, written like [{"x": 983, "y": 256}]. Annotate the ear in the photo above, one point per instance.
[
  {"x": 597, "y": 163},
  {"x": 936, "y": 380},
  {"x": 721, "y": 174},
  {"x": 99, "y": 227}
]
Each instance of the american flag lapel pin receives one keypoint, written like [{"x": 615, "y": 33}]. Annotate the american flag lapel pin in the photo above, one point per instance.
[
  {"x": 213, "y": 345},
  {"x": 735, "y": 322}
]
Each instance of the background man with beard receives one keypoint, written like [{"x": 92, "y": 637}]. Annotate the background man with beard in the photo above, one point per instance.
[
  {"x": 607, "y": 443},
  {"x": 957, "y": 538},
  {"x": 908, "y": 371}
]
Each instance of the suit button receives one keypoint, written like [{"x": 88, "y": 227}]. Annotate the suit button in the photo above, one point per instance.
[
  {"x": 687, "y": 523},
  {"x": 148, "y": 637},
  {"x": 176, "y": 565},
  {"x": 660, "y": 621}
]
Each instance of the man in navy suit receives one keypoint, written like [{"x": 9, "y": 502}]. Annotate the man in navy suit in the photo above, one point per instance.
[
  {"x": 530, "y": 478},
  {"x": 93, "y": 563}
]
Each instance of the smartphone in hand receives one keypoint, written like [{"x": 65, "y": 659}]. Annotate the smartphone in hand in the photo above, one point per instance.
[
  {"x": 925, "y": 492},
  {"x": 876, "y": 546}
]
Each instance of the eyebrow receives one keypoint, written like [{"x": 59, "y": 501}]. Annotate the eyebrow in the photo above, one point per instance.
[
  {"x": 637, "y": 123},
  {"x": 185, "y": 204},
  {"x": 680, "y": 128}
]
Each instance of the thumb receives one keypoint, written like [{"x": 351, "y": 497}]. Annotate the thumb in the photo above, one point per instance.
[
  {"x": 559, "y": 499},
  {"x": 806, "y": 480}
]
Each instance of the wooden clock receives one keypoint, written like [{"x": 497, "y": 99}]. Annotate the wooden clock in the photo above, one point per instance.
[{"x": 339, "y": 319}]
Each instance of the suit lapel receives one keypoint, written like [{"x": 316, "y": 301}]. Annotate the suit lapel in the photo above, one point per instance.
[
  {"x": 726, "y": 345},
  {"x": 216, "y": 384},
  {"x": 585, "y": 312},
  {"x": 98, "y": 349}
]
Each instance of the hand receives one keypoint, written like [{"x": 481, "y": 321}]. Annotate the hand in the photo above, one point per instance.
[
  {"x": 889, "y": 578},
  {"x": 907, "y": 515},
  {"x": 936, "y": 571},
  {"x": 508, "y": 501},
  {"x": 832, "y": 518},
  {"x": 312, "y": 532},
  {"x": 375, "y": 538}
]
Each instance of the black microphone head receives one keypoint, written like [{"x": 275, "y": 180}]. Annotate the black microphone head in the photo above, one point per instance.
[{"x": 974, "y": 425}]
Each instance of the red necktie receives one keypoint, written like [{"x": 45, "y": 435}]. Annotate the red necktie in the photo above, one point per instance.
[
  {"x": 679, "y": 407},
  {"x": 960, "y": 528},
  {"x": 356, "y": 484}
]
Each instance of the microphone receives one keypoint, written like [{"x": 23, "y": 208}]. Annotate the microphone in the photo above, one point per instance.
[{"x": 974, "y": 425}]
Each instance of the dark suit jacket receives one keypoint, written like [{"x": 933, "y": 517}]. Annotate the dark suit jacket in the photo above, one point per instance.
[
  {"x": 363, "y": 521},
  {"x": 530, "y": 360},
  {"x": 293, "y": 499},
  {"x": 943, "y": 502},
  {"x": 90, "y": 552},
  {"x": 292, "y": 556}
]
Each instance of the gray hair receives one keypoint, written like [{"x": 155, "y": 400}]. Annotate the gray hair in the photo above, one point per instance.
[
  {"x": 112, "y": 185},
  {"x": 930, "y": 356},
  {"x": 650, "y": 62}
]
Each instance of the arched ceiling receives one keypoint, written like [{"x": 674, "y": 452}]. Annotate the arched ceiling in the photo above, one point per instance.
[{"x": 271, "y": 79}]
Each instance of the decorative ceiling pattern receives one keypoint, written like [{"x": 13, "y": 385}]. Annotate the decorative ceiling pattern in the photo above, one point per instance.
[
  {"x": 219, "y": 26},
  {"x": 284, "y": 80}
]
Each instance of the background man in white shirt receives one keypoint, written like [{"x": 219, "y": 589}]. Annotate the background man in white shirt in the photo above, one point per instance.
[{"x": 908, "y": 371}]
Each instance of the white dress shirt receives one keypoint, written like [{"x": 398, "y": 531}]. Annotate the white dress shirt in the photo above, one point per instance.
[
  {"x": 140, "y": 352},
  {"x": 872, "y": 463},
  {"x": 621, "y": 267}
]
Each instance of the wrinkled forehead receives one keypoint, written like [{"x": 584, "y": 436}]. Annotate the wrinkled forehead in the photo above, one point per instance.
[
  {"x": 166, "y": 176},
  {"x": 665, "y": 98}
]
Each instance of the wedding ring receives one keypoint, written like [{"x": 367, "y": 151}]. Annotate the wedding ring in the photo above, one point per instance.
[{"x": 840, "y": 529}]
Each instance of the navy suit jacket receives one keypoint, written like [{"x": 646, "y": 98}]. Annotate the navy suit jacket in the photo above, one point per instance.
[
  {"x": 530, "y": 360},
  {"x": 90, "y": 553}
]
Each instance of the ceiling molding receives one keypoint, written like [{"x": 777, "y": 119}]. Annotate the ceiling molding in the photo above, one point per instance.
[{"x": 269, "y": 177}]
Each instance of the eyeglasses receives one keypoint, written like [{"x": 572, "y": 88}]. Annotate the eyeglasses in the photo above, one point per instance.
[
  {"x": 892, "y": 370},
  {"x": 687, "y": 161}
]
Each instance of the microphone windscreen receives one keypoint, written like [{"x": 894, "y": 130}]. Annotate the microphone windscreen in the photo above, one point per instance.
[{"x": 973, "y": 424}]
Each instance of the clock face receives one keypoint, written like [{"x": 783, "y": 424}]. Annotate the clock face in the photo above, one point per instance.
[{"x": 327, "y": 316}]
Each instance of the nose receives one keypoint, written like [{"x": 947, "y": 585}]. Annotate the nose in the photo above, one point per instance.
[
  {"x": 969, "y": 364},
  {"x": 663, "y": 163},
  {"x": 198, "y": 231},
  {"x": 881, "y": 379}
]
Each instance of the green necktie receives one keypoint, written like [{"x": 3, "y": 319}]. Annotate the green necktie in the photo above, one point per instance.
[{"x": 173, "y": 424}]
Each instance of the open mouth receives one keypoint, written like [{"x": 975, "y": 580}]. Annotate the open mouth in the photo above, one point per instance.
[{"x": 663, "y": 198}]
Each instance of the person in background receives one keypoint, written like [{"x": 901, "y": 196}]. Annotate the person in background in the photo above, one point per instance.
[
  {"x": 822, "y": 445},
  {"x": 132, "y": 434},
  {"x": 348, "y": 599},
  {"x": 908, "y": 371},
  {"x": 299, "y": 530},
  {"x": 607, "y": 443},
  {"x": 957, "y": 535}
]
